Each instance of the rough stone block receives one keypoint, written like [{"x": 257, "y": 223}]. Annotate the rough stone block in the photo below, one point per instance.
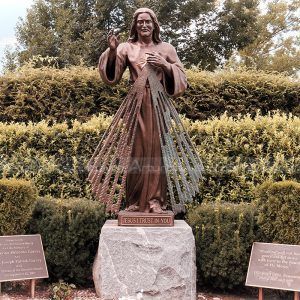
[{"x": 158, "y": 262}]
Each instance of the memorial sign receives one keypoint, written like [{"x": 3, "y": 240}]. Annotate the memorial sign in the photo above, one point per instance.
[
  {"x": 22, "y": 257},
  {"x": 274, "y": 266}
]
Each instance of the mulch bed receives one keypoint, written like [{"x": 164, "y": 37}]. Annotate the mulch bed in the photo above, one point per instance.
[{"x": 19, "y": 290}]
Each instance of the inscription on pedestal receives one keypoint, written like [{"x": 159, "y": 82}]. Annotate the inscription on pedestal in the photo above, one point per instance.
[
  {"x": 275, "y": 266},
  {"x": 22, "y": 257},
  {"x": 165, "y": 219}
]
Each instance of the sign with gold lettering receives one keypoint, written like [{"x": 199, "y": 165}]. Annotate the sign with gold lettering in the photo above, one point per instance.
[
  {"x": 22, "y": 257},
  {"x": 274, "y": 266},
  {"x": 142, "y": 219}
]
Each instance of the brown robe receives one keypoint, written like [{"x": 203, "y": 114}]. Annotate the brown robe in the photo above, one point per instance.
[{"x": 146, "y": 178}]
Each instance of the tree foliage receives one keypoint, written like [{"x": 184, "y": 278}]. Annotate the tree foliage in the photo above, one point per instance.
[
  {"x": 277, "y": 47},
  {"x": 227, "y": 28},
  {"x": 204, "y": 32}
]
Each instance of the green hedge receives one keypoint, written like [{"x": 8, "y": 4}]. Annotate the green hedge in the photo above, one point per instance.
[
  {"x": 17, "y": 198},
  {"x": 224, "y": 234},
  {"x": 54, "y": 157},
  {"x": 78, "y": 93},
  {"x": 279, "y": 211},
  {"x": 237, "y": 154},
  {"x": 70, "y": 232}
]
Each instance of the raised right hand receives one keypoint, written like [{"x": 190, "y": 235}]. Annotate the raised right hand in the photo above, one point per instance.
[{"x": 113, "y": 40}]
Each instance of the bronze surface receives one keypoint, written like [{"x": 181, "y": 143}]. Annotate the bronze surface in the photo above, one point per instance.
[
  {"x": 22, "y": 257},
  {"x": 274, "y": 266},
  {"x": 141, "y": 219},
  {"x": 146, "y": 130}
]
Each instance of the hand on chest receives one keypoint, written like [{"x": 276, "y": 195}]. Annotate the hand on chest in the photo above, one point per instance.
[{"x": 138, "y": 57}]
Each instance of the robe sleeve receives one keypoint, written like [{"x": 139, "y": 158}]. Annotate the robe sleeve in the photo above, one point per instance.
[
  {"x": 113, "y": 74},
  {"x": 175, "y": 84}
]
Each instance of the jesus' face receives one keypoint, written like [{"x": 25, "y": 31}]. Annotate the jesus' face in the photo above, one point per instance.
[{"x": 144, "y": 25}]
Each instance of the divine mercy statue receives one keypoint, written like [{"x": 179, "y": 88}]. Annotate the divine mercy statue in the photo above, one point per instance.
[{"x": 145, "y": 155}]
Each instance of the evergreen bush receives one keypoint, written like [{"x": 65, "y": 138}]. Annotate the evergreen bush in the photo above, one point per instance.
[
  {"x": 240, "y": 153},
  {"x": 237, "y": 154},
  {"x": 54, "y": 157},
  {"x": 70, "y": 231},
  {"x": 56, "y": 95},
  {"x": 239, "y": 92},
  {"x": 224, "y": 234},
  {"x": 279, "y": 211},
  {"x": 78, "y": 93},
  {"x": 17, "y": 198}
]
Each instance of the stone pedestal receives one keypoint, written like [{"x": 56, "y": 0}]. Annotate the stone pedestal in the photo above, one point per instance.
[{"x": 158, "y": 262}]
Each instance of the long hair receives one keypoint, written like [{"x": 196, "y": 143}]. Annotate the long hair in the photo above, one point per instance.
[{"x": 133, "y": 35}]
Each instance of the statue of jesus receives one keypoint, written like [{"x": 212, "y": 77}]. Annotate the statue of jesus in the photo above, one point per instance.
[{"x": 145, "y": 155}]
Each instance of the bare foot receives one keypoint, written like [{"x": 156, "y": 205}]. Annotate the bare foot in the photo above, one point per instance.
[
  {"x": 132, "y": 207},
  {"x": 155, "y": 206}
]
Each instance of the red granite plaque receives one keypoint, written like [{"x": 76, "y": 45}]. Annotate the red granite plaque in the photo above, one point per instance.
[
  {"x": 140, "y": 219},
  {"x": 274, "y": 266},
  {"x": 22, "y": 257}
]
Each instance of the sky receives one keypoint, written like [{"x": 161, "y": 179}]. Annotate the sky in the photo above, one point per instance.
[{"x": 10, "y": 11}]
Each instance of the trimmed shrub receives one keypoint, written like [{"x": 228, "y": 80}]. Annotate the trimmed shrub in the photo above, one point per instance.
[
  {"x": 54, "y": 157},
  {"x": 239, "y": 92},
  {"x": 78, "y": 93},
  {"x": 70, "y": 232},
  {"x": 237, "y": 154},
  {"x": 56, "y": 95},
  {"x": 279, "y": 211},
  {"x": 17, "y": 198},
  {"x": 224, "y": 234}
]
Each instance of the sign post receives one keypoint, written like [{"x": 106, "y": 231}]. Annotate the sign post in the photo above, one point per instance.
[
  {"x": 274, "y": 266},
  {"x": 32, "y": 287},
  {"x": 22, "y": 258}
]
